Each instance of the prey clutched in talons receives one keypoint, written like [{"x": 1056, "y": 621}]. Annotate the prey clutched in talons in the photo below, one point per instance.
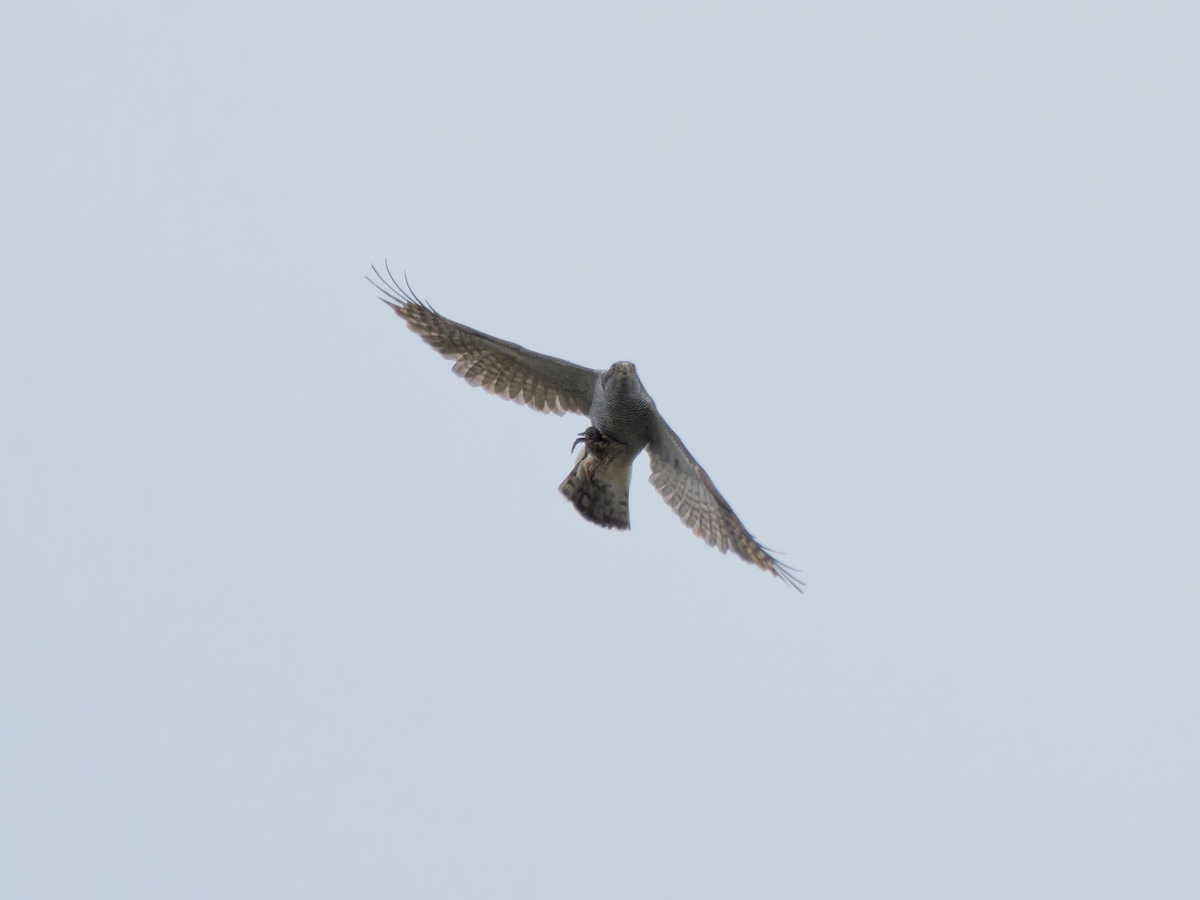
[{"x": 596, "y": 448}]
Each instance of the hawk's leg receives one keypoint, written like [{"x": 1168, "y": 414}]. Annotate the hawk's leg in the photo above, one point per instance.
[{"x": 598, "y": 484}]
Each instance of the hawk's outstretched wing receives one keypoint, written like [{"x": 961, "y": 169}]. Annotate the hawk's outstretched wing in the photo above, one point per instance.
[
  {"x": 500, "y": 367},
  {"x": 689, "y": 491}
]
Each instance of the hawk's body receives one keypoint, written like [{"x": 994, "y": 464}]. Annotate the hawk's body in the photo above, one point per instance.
[{"x": 624, "y": 422}]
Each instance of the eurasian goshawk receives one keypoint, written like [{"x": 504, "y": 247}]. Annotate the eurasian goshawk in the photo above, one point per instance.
[{"x": 624, "y": 422}]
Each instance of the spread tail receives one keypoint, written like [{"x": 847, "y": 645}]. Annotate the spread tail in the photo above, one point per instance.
[{"x": 598, "y": 484}]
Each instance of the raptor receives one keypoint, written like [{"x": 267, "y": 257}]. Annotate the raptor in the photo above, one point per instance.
[{"x": 624, "y": 422}]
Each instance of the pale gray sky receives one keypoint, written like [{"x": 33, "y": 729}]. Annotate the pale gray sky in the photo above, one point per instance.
[{"x": 289, "y": 611}]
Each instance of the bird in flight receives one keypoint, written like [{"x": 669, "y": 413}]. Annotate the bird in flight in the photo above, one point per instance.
[{"x": 624, "y": 422}]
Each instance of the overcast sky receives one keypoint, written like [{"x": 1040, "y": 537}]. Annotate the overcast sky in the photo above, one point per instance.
[{"x": 288, "y": 610}]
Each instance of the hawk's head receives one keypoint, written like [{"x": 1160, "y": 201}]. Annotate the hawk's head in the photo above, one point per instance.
[{"x": 624, "y": 372}]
